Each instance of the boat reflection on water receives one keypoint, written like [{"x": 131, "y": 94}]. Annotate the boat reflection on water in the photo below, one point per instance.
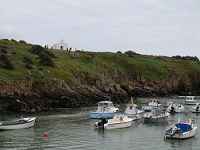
[{"x": 181, "y": 144}]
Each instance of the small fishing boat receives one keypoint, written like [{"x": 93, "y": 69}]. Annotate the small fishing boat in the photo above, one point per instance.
[
  {"x": 154, "y": 103},
  {"x": 118, "y": 121},
  {"x": 181, "y": 130},
  {"x": 151, "y": 105},
  {"x": 156, "y": 116},
  {"x": 133, "y": 112},
  {"x": 175, "y": 108},
  {"x": 196, "y": 108},
  {"x": 105, "y": 109},
  {"x": 190, "y": 100},
  {"x": 18, "y": 124}
]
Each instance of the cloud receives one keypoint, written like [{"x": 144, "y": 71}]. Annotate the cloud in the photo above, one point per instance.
[{"x": 147, "y": 26}]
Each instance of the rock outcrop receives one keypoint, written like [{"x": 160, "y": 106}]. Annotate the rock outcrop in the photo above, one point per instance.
[{"x": 35, "y": 96}]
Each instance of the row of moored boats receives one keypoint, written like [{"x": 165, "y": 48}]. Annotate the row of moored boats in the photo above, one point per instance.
[{"x": 110, "y": 118}]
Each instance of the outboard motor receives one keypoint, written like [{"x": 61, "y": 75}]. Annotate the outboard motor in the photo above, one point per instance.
[
  {"x": 171, "y": 131},
  {"x": 172, "y": 111},
  {"x": 101, "y": 123},
  {"x": 197, "y": 108}
]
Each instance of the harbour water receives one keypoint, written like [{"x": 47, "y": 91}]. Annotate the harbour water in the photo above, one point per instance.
[{"x": 70, "y": 129}]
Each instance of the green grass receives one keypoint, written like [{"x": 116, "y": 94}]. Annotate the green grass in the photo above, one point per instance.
[{"x": 92, "y": 64}]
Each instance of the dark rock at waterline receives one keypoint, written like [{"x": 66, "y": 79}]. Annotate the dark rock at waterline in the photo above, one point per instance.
[{"x": 36, "y": 96}]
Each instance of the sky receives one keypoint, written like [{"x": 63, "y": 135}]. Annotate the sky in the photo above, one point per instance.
[{"x": 158, "y": 27}]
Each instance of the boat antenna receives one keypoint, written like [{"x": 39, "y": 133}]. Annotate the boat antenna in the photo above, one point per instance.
[
  {"x": 131, "y": 100},
  {"x": 179, "y": 119}
]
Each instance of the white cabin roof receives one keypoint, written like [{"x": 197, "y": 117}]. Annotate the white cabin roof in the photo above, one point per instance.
[{"x": 105, "y": 102}]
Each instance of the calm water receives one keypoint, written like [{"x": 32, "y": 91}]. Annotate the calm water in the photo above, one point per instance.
[{"x": 72, "y": 130}]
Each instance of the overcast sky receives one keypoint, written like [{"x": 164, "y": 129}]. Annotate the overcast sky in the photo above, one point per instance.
[{"x": 159, "y": 27}]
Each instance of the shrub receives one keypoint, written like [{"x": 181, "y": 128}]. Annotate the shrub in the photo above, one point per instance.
[
  {"x": 3, "y": 49},
  {"x": 131, "y": 53},
  {"x": 28, "y": 62},
  {"x": 13, "y": 40},
  {"x": 5, "y": 62},
  {"x": 193, "y": 58},
  {"x": 45, "y": 56},
  {"x": 22, "y": 42},
  {"x": 46, "y": 60},
  {"x": 37, "y": 49}
]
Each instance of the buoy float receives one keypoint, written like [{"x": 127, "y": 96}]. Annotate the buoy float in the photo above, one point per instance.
[{"x": 45, "y": 135}]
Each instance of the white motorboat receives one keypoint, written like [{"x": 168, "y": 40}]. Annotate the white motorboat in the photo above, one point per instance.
[
  {"x": 133, "y": 112},
  {"x": 181, "y": 130},
  {"x": 151, "y": 105},
  {"x": 105, "y": 109},
  {"x": 18, "y": 124},
  {"x": 196, "y": 108},
  {"x": 190, "y": 100},
  {"x": 154, "y": 103},
  {"x": 118, "y": 121},
  {"x": 175, "y": 108},
  {"x": 156, "y": 116}
]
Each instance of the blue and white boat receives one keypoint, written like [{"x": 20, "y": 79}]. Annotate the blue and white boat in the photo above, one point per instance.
[
  {"x": 181, "y": 130},
  {"x": 105, "y": 109}
]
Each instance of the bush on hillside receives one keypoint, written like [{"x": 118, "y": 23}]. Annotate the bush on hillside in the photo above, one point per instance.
[
  {"x": 46, "y": 60},
  {"x": 22, "y": 42},
  {"x": 119, "y": 52},
  {"x": 193, "y": 58},
  {"x": 45, "y": 56},
  {"x": 28, "y": 62},
  {"x": 5, "y": 62},
  {"x": 13, "y": 40},
  {"x": 131, "y": 53},
  {"x": 3, "y": 49},
  {"x": 36, "y": 49}
]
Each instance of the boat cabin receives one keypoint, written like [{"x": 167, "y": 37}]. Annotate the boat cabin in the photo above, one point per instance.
[{"x": 104, "y": 106}]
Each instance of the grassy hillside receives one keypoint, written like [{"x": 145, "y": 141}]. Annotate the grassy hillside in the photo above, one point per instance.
[
  {"x": 45, "y": 78},
  {"x": 66, "y": 66}
]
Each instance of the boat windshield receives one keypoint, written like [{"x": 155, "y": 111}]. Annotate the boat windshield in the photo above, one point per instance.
[
  {"x": 157, "y": 111},
  {"x": 190, "y": 98},
  {"x": 105, "y": 104}
]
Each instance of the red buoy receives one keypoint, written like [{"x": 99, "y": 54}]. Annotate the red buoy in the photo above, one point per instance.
[{"x": 45, "y": 135}]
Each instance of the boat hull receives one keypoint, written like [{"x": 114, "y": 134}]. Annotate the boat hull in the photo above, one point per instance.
[
  {"x": 190, "y": 102},
  {"x": 185, "y": 135},
  {"x": 179, "y": 110},
  {"x": 135, "y": 116},
  {"x": 18, "y": 126},
  {"x": 196, "y": 112},
  {"x": 100, "y": 115},
  {"x": 155, "y": 119},
  {"x": 118, "y": 125}
]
